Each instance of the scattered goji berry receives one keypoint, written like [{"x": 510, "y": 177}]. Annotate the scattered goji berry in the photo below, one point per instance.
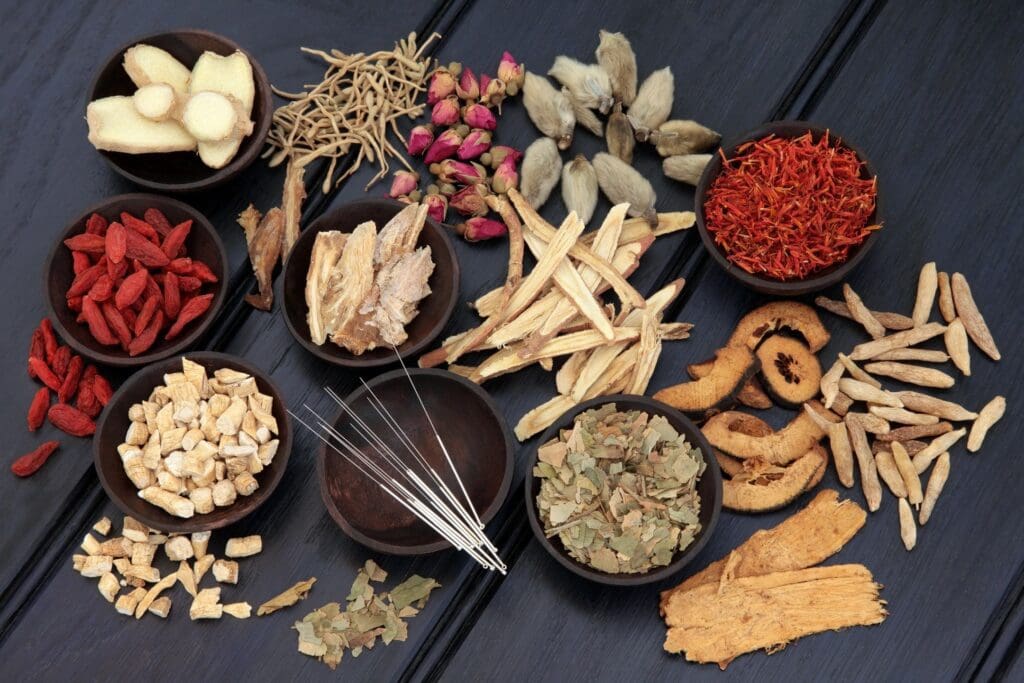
[
  {"x": 131, "y": 289},
  {"x": 61, "y": 359},
  {"x": 87, "y": 242},
  {"x": 36, "y": 349},
  {"x": 102, "y": 289},
  {"x": 189, "y": 284},
  {"x": 203, "y": 272},
  {"x": 96, "y": 224},
  {"x": 116, "y": 270},
  {"x": 70, "y": 384},
  {"x": 175, "y": 240},
  {"x": 101, "y": 389},
  {"x": 50, "y": 342},
  {"x": 140, "y": 226},
  {"x": 37, "y": 409},
  {"x": 97, "y": 323},
  {"x": 89, "y": 373},
  {"x": 70, "y": 420},
  {"x": 146, "y": 314},
  {"x": 149, "y": 254},
  {"x": 117, "y": 323},
  {"x": 172, "y": 296},
  {"x": 158, "y": 220},
  {"x": 116, "y": 242},
  {"x": 129, "y": 314},
  {"x": 87, "y": 401},
  {"x": 44, "y": 373},
  {"x": 144, "y": 341},
  {"x": 180, "y": 266},
  {"x": 29, "y": 464},
  {"x": 75, "y": 303},
  {"x": 153, "y": 289},
  {"x": 190, "y": 310},
  {"x": 84, "y": 281},
  {"x": 80, "y": 262}
]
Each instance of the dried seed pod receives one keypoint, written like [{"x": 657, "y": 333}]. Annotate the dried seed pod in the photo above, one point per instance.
[
  {"x": 902, "y": 416},
  {"x": 911, "y": 374},
  {"x": 679, "y": 137},
  {"x": 946, "y": 307},
  {"x": 866, "y": 462},
  {"x": 579, "y": 187},
  {"x": 588, "y": 84},
  {"x": 549, "y": 109},
  {"x": 584, "y": 116},
  {"x": 541, "y": 169},
  {"x": 987, "y": 417},
  {"x": 860, "y": 313},
  {"x": 910, "y": 477},
  {"x": 619, "y": 135},
  {"x": 890, "y": 474},
  {"x": 971, "y": 317},
  {"x": 939, "y": 445},
  {"x": 900, "y": 340},
  {"x": 908, "y": 531},
  {"x": 892, "y": 321},
  {"x": 859, "y": 391},
  {"x": 622, "y": 184},
  {"x": 653, "y": 103},
  {"x": 616, "y": 57},
  {"x": 956, "y": 344},
  {"x": 940, "y": 473},
  {"x": 686, "y": 168},
  {"x": 927, "y": 283}
]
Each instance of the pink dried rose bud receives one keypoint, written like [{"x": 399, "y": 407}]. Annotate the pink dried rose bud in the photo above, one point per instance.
[
  {"x": 437, "y": 206},
  {"x": 442, "y": 84},
  {"x": 500, "y": 152},
  {"x": 420, "y": 139},
  {"x": 469, "y": 201},
  {"x": 446, "y": 144},
  {"x": 505, "y": 177},
  {"x": 475, "y": 144},
  {"x": 511, "y": 71},
  {"x": 452, "y": 171},
  {"x": 485, "y": 80},
  {"x": 468, "y": 88},
  {"x": 480, "y": 228},
  {"x": 494, "y": 93},
  {"x": 445, "y": 112},
  {"x": 479, "y": 116},
  {"x": 403, "y": 183}
]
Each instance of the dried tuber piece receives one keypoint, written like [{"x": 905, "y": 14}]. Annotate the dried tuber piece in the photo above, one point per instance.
[
  {"x": 760, "y": 487},
  {"x": 927, "y": 285},
  {"x": 908, "y": 530},
  {"x": 860, "y": 313},
  {"x": 866, "y": 464},
  {"x": 540, "y": 171},
  {"x": 779, "y": 448},
  {"x": 147, "y": 64},
  {"x": 911, "y": 479},
  {"x": 946, "y": 306},
  {"x": 243, "y": 547},
  {"x": 155, "y": 101},
  {"x": 937, "y": 480},
  {"x": 686, "y": 168},
  {"x": 956, "y": 344},
  {"x": 938, "y": 445},
  {"x": 116, "y": 126},
  {"x": 892, "y": 321},
  {"x": 890, "y": 474},
  {"x": 911, "y": 374},
  {"x": 974, "y": 323},
  {"x": 900, "y": 340},
  {"x": 622, "y": 184}
]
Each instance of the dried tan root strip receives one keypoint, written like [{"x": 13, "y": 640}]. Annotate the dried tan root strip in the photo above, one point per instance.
[
  {"x": 927, "y": 283},
  {"x": 856, "y": 372},
  {"x": 154, "y": 593},
  {"x": 900, "y": 340},
  {"x": 842, "y": 404},
  {"x": 907, "y": 471},
  {"x": 804, "y": 539},
  {"x": 774, "y": 609},
  {"x": 892, "y": 321},
  {"x": 939, "y": 445},
  {"x": 509, "y": 359},
  {"x": 648, "y": 353},
  {"x": 902, "y": 415},
  {"x": 911, "y": 374},
  {"x": 860, "y": 391},
  {"x": 913, "y": 446},
  {"x": 908, "y": 530},
  {"x": 866, "y": 463},
  {"x": 890, "y": 474},
  {"x": 870, "y": 423},
  {"x": 974, "y": 323},
  {"x": 945, "y": 410},
  {"x": 102, "y": 526},
  {"x": 860, "y": 313},
  {"x": 937, "y": 480},
  {"x": 956, "y": 344},
  {"x": 920, "y": 355},
  {"x": 946, "y": 307},
  {"x": 988, "y": 416},
  {"x": 842, "y": 454},
  {"x": 916, "y": 431},
  {"x": 543, "y": 416},
  {"x": 569, "y": 373}
]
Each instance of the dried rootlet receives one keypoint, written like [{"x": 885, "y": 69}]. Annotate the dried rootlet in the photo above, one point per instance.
[
  {"x": 890, "y": 474},
  {"x": 549, "y": 109},
  {"x": 946, "y": 306},
  {"x": 910, "y": 476},
  {"x": 938, "y": 446},
  {"x": 653, "y": 103},
  {"x": 988, "y": 416},
  {"x": 956, "y": 344},
  {"x": 683, "y": 136},
  {"x": 911, "y": 374},
  {"x": 616, "y": 57},
  {"x": 908, "y": 530},
  {"x": 618, "y": 133},
  {"x": 937, "y": 480},
  {"x": 892, "y": 321},
  {"x": 579, "y": 187},
  {"x": 540, "y": 171},
  {"x": 866, "y": 463},
  {"x": 588, "y": 84},
  {"x": 946, "y": 410},
  {"x": 861, "y": 391},
  {"x": 622, "y": 184},
  {"x": 686, "y": 168},
  {"x": 927, "y": 284},
  {"x": 900, "y": 340},
  {"x": 968, "y": 312},
  {"x": 860, "y": 313}
]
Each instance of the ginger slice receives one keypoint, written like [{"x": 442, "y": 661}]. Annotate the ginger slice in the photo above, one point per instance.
[
  {"x": 230, "y": 75},
  {"x": 211, "y": 117},
  {"x": 147, "y": 64},
  {"x": 116, "y": 126},
  {"x": 218, "y": 154},
  {"x": 155, "y": 101}
]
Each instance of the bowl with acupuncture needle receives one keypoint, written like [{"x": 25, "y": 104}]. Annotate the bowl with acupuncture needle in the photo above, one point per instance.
[
  {"x": 760, "y": 282},
  {"x": 468, "y": 422}
]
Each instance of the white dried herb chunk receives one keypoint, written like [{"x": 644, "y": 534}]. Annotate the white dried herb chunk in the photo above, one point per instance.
[{"x": 619, "y": 490}]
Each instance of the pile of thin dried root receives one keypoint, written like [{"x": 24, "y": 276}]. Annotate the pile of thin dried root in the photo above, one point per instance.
[
  {"x": 556, "y": 309},
  {"x": 360, "y": 98}
]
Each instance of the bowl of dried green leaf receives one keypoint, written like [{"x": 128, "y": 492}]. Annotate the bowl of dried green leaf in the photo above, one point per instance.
[{"x": 624, "y": 490}]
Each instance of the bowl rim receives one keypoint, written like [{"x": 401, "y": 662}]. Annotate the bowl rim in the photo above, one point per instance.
[
  {"x": 486, "y": 515},
  {"x": 183, "y": 342},
  {"x": 196, "y": 522},
  {"x": 349, "y": 360},
  {"x": 683, "y": 558},
  {"x": 240, "y": 162},
  {"x": 814, "y": 282}
]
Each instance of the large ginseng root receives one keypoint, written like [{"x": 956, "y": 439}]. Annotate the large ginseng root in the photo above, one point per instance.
[{"x": 773, "y": 610}]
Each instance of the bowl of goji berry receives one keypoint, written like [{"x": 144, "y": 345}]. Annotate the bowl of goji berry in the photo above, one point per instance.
[{"x": 135, "y": 278}]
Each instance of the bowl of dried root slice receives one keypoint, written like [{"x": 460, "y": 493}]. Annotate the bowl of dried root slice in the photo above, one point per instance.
[
  {"x": 624, "y": 490},
  {"x": 367, "y": 279}
]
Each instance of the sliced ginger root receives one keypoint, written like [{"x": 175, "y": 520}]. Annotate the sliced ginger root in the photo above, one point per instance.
[
  {"x": 116, "y": 126},
  {"x": 147, "y": 64},
  {"x": 155, "y": 101},
  {"x": 213, "y": 117}
]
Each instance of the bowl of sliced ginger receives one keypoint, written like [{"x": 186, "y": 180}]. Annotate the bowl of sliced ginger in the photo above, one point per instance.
[{"x": 180, "y": 111}]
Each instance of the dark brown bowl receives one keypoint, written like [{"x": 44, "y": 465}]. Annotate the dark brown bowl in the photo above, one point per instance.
[
  {"x": 709, "y": 487},
  {"x": 761, "y": 283},
  {"x": 113, "y": 424},
  {"x": 183, "y": 171},
  {"x": 435, "y": 309},
  {"x": 472, "y": 429},
  {"x": 203, "y": 243}
]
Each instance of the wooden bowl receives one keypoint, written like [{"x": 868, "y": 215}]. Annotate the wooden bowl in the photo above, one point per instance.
[
  {"x": 435, "y": 310},
  {"x": 709, "y": 486},
  {"x": 113, "y": 424},
  {"x": 472, "y": 429},
  {"x": 203, "y": 243},
  {"x": 183, "y": 171},
  {"x": 819, "y": 280}
]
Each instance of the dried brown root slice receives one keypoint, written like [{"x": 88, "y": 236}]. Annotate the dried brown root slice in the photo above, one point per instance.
[
  {"x": 916, "y": 431},
  {"x": 717, "y": 390},
  {"x": 956, "y": 345},
  {"x": 779, "y": 448},
  {"x": 774, "y": 609},
  {"x": 938, "y": 446},
  {"x": 866, "y": 464},
  {"x": 910, "y": 476},
  {"x": 762, "y": 487},
  {"x": 908, "y": 530},
  {"x": 860, "y": 391},
  {"x": 974, "y": 323},
  {"x": 842, "y": 404},
  {"x": 911, "y": 374},
  {"x": 263, "y": 237},
  {"x": 946, "y": 306},
  {"x": 902, "y": 415},
  {"x": 751, "y": 394},
  {"x": 770, "y": 318},
  {"x": 927, "y": 284},
  {"x": 937, "y": 480},
  {"x": 890, "y": 474},
  {"x": 860, "y": 313},
  {"x": 988, "y": 416},
  {"x": 892, "y": 321},
  {"x": 790, "y": 372},
  {"x": 900, "y": 340}
]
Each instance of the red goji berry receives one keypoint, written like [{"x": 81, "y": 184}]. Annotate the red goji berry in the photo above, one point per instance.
[
  {"x": 117, "y": 323},
  {"x": 131, "y": 289},
  {"x": 89, "y": 373},
  {"x": 70, "y": 420},
  {"x": 61, "y": 359},
  {"x": 190, "y": 310},
  {"x": 37, "y": 409},
  {"x": 29, "y": 464},
  {"x": 203, "y": 272},
  {"x": 180, "y": 266},
  {"x": 175, "y": 240},
  {"x": 144, "y": 341},
  {"x": 87, "y": 401},
  {"x": 172, "y": 296},
  {"x": 116, "y": 270},
  {"x": 75, "y": 303},
  {"x": 50, "y": 342},
  {"x": 116, "y": 242},
  {"x": 80, "y": 262},
  {"x": 96, "y": 224},
  {"x": 146, "y": 314},
  {"x": 70, "y": 384},
  {"x": 140, "y": 226},
  {"x": 189, "y": 284},
  {"x": 129, "y": 314},
  {"x": 98, "y": 327},
  {"x": 84, "y": 281},
  {"x": 44, "y": 373},
  {"x": 147, "y": 253},
  {"x": 87, "y": 242},
  {"x": 101, "y": 389},
  {"x": 102, "y": 289},
  {"x": 158, "y": 220},
  {"x": 36, "y": 349}
]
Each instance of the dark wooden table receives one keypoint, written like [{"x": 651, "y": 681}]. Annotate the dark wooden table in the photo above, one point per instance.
[{"x": 933, "y": 93}]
